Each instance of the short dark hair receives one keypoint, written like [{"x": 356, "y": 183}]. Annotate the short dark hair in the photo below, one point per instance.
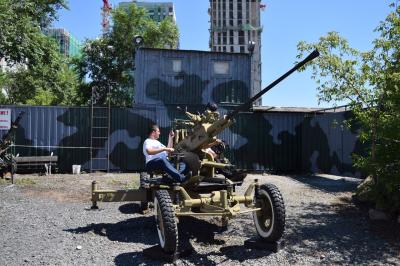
[
  {"x": 212, "y": 107},
  {"x": 152, "y": 128}
]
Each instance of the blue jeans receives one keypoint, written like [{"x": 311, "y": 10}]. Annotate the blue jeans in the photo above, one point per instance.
[{"x": 165, "y": 165}]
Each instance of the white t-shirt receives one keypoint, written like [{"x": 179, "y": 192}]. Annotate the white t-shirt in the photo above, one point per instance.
[{"x": 153, "y": 144}]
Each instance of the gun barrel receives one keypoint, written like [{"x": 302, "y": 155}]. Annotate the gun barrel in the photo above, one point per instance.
[{"x": 247, "y": 104}]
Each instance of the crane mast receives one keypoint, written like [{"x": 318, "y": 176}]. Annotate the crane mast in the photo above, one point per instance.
[{"x": 105, "y": 14}]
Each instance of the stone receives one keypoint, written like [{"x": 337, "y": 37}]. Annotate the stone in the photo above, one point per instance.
[{"x": 78, "y": 247}]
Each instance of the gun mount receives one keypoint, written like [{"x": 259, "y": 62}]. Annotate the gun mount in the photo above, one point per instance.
[{"x": 204, "y": 193}]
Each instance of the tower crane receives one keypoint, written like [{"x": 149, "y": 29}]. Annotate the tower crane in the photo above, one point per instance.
[{"x": 105, "y": 14}]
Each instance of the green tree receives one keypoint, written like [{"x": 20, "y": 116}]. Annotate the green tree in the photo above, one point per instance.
[
  {"x": 20, "y": 24},
  {"x": 108, "y": 62},
  {"x": 37, "y": 69},
  {"x": 370, "y": 83}
]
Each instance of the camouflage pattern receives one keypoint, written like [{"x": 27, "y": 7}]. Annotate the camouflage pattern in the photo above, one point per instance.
[
  {"x": 196, "y": 80},
  {"x": 282, "y": 142},
  {"x": 266, "y": 141}
]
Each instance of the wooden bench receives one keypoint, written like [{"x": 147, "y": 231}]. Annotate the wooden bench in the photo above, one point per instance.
[{"x": 34, "y": 162}]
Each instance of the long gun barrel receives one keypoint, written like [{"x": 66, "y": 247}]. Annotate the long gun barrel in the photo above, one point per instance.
[
  {"x": 205, "y": 133},
  {"x": 247, "y": 104}
]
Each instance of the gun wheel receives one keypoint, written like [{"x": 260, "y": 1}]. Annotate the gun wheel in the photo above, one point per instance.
[
  {"x": 270, "y": 220},
  {"x": 144, "y": 179},
  {"x": 165, "y": 220}
]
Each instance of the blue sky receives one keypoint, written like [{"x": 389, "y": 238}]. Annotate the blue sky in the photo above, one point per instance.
[{"x": 285, "y": 23}]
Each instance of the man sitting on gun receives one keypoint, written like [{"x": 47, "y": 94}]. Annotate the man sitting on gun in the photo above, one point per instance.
[{"x": 156, "y": 155}]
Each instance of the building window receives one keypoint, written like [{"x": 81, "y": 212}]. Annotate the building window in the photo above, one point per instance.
[
  {"x": 242, "y": 49},
  {"x": 176, "y": 65},
  {"x": 232, "y": 49},
  {"x": 221, "y": 67},
  {"x": 241, "y": 37}
]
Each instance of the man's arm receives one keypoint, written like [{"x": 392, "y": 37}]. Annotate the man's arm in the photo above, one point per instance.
[
  {"x": 152, "y": 151},
  {"x": 171, "y": 139},
  {"x": 212, "y": 144}
]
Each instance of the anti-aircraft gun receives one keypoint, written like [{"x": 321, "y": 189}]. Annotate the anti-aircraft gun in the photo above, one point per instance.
[
  {"x": 205, "y": 194},
  {"x": 7, "y": 163},
  {"x": 207, "y": 126}
]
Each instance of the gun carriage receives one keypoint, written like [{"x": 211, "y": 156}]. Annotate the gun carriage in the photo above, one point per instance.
[{"x": 204, "y": 193}]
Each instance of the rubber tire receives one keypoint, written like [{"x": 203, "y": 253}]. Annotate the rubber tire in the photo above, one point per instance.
[
  {"x": 144, "y": 205},
  {"x": 165, "y": 216},
  {"x": 144, "y": 177},
  {"x": 270, "y": 197}
]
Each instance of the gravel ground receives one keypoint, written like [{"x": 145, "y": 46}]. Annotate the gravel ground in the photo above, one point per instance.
[{"x": 45, "y": 221}]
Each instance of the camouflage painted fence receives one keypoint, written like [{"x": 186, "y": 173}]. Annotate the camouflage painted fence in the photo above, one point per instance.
[{"x": 267, "y": 141}]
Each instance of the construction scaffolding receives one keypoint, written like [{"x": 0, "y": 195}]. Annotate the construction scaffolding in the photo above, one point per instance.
[{"x": 68, "y": 44}]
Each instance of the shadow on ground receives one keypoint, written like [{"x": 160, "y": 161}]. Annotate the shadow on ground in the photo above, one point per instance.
[
  {"x": 142, "y": 230},
  {"x": 340, "y": 229},
  {"x": 203, "y": 233},
  {"x": 326, "y": 184},
  {"x": 130, "y": 208},
  {"x": 337, "y": 233}
]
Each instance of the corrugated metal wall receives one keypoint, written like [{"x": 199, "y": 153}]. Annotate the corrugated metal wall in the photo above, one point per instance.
[
  {"x": 266, "y": 141},
  {"x": 194, "y": 81}
]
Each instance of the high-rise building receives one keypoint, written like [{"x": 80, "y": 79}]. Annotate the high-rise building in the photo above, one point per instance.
[
  {"x": 234, "y": 23},
  {"x": 157, "y": 11},
  {"x": 68, "y": 44}
]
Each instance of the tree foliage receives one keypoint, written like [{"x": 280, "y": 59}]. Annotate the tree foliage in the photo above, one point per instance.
[
  {"x": 21, "y": 23},
  {"x": 108, "y": 62},
  {"x": 370, "y": 83},
  {"x": 36, "y": 68}
]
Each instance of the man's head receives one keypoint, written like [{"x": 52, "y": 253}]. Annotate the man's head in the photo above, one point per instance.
[
  {"x": 154, "y": 132},
  {"x": 212, "y": 107}
]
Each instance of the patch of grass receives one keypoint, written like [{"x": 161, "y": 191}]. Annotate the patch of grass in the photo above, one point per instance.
[
  {"x": 4, "y": 181},
  {"x": 133, "y": 184},
  {"x": 24, "y": 181},
  {"x": 115, "y": 182}
]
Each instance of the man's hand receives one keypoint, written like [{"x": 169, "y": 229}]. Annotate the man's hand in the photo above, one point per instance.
[{"x": 169, "y": 150}]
